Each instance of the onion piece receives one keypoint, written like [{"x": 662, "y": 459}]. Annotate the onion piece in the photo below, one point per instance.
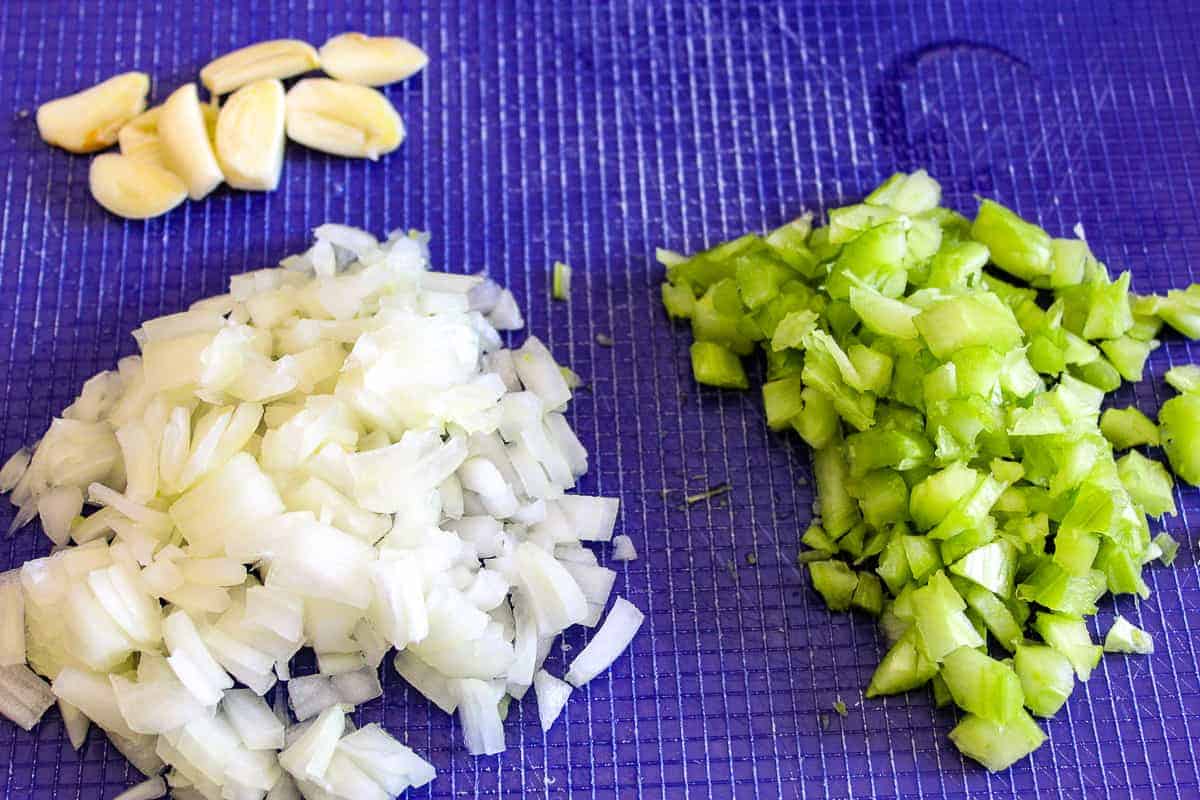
[
  {"x": 623, "y": 549},
  {"x": 57, "y": 509},
  {"x": 149, "y": 789},
  {"x": 24, "y": 697},
  {"x": 552, "y": 695},
  {"x": 255, "y": 722},
  {"x": 618, "y": 630},
  {"x": 478, "y": 709},
  {"x": 75, "y": 722},
  {"x": 12, "y": 619}
]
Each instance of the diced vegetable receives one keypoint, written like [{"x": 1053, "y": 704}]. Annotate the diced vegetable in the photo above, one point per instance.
[
  {"x": 997, "y": 746},
  {"x": 1125, "y": 637}
]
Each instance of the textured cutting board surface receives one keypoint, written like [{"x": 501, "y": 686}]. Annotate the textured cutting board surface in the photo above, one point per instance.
[{"x": 593, "y": 133}]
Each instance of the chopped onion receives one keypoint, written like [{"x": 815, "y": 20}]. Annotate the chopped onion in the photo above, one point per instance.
[
  {"x": 14, "y": 469},
  {"x": 57, "y": 509},
  {"x": 255, "y": 722},
  {"x": 12, "y": 619},
  {"x": 552, "y": 695},
  {"x": 24, "y": 697},
  {"x": 149, "y": 789},
  {"x": 357, "y": 687},
  {"x": 610, "y": 641},
  {"x": 478, "y": 709},
  {"x": 75, "y": 722},
  {"x": 623, "y": 549}
]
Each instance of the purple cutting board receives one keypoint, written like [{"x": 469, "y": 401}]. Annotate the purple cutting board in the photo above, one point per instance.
[{"x": 594, "y": 132}]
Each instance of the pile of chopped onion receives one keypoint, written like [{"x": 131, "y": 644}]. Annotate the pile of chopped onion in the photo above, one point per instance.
[{"x": 338, "y": 454}]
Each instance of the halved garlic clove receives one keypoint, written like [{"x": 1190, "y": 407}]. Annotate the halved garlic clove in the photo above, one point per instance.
[
  {"x": 187, "y": 149},
  {"x": 89, "y": 120},
  {"x": 139, "y": 139},
  {"x": 277, "y": 58},
  {"x": 132, "y": 188},
  {"x": 371, "y": 60},
  {"x": 250, "y": 135},
  {"x": 342, "y": 118}
]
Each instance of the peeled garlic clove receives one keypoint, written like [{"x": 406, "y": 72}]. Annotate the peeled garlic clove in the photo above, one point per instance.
[
  {"x": 277, "y": 58},
  {"x": 371, "y": 60},
  {"x": 187, "y": 149},
  {"x": 250, "y": 135},
  {"x": 89, "y": 120},
  {"x": 132, "y": 188},
  {"x": 342, "y": 118},
  {"x": 139, "y": 140}
]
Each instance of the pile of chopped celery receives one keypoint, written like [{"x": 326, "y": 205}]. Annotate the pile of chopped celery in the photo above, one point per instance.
[{"x": 949, "y": 374}]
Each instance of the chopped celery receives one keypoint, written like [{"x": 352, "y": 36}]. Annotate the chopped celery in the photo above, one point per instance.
[
  {"x": 1181, "y": 310},
  {"x": 1128, "y": 356},
  {"x": 1069, "y": 636},
  {"x": 817, "y": 540},
  {"x": 938, "y": 617},
  {"x": 922, "y": 557},
  {"x": 971, "y": 320},
  {"x": 560, "y": 287},
  {"x": 868, "y": 594},
  {"x": 1179, "y": 426},
  {"x": 817, "y": 423},
  {"x": 835, "y": 582},
  {"x": 714, "y": 365},
  {"x": 783, "y": 400},
  {"x": 1128, "y": 427},
  {"x": 935, "y": 497},
  {"x": 1055, "y": 588},
  {"x": 1047, "y": 678},
  {"x": 838, "y": 509},
  {"x": 1168, "y": 548},
  {"x": 792, "y": 329},
  {"x": 905, "y": 667},
  {"x": 678, "y": 300},
  {"x": 996, "y": 746},
  {"x": 893, "y": 565},
  {"x": 982, "y": 685},
  {"x": 1125, "y": 637},
  {"x": 992, "y": 566},
  {"x": 1148, "y": 483},
  {"x": 884, "y": 315},
  {"x": 1016, "y": 246},
  {"x": 1184, "y": 379},
  {"x": 882, "y": 496},
  {"x": 941, "y": 693},
  {"x": 908, "y": 194},
  {"x": 996, "y": 616}
]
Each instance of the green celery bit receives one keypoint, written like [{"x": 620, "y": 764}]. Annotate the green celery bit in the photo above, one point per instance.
[
  {"x": 1184, "y": 379},
  {"x": 1168, "y": 547},
  {"x": 1019, "y": 248},
  {"x": 885, "y": 316},
  {"x": 818, "y": 422},
  {"x": 678, "y": 301},
  {"x": 978, "y": 371},
  {"x": 893, "y": 565},
  {"x": 1145, "y": 327},
  {"x": 710, "y": 266},
  {"x": 789, "y": 243},
  {"x": 783, "y": 364},
  {"x": 850, "y": 222},
  {"x": 561, "y": 284},
  {"x": 941, "y": 693},
  {"x": 868, "y": 594},
  {"x": 997, "y": 747},
  {"x": 1128, "y": 427},
  {"x": 873, "y": 546},
  {"x": 1069, "y": 635},
  {"x": 714, "y": 365},
  {"x": 1099, "y": 373},
  {"x": 852, "y": 542},
  {"x": 999, "y": 620},
  {"x": 1128, "y": 356},
  {"x": 957, "y": 265},
  {"x": 1109, "y": 315},
  {"x": 792, "y": 330},
  {"x": 1071, "y": 260},
  {"x": 1055, "y": 588},
  {"x": 935, "y": 497},
  {"x": 883, "y": 497},
  {"x": 1179, "y": 424},
  {"x": 971, "y": 510},
  {"x": 822, "y": 246},
  {"x": 1148, "y": 483},
  {"x": 961, "y": 544},
  {"x": 873, "y": 367},
  {"x": 716, "y": 317},
  {"x": 874, "y": 258},
  {"x": 982, "y": 685},
  {"x": 1047, "y": 678},
  {"x": 1181, "y": 310},
  {"x": 922, "y": 557},
  {"x": 992, "y": 566},
  {"x": 826, "y": 367},
  {"x": 783, "y": 400},
  {"x": 1122, "y": 570},
  {"x": 908, "y": 193},
  {"x": 1075, "y": 550},
  {"x": 905, "y": 667},
  {"x": 793, "y": 296},
  {"x": 816, "y": 538},
  {"x": 839, "y": 512},
  {"x": 876, "y": 448},
  {"x": 1125, "y": 637},
  {"x": 939, "y": 619},
  {"x": 835, "y": 582},
  {"x": 841, "y": 318},
  {"x": 760, "y": 276},
  {"x": 975, "y": 320}
]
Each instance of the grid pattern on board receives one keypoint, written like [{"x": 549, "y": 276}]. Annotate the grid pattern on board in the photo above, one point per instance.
[{"x": 593, "y": 133}]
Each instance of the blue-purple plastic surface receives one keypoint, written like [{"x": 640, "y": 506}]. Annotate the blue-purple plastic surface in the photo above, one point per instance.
[{"x": 593, "y": 133}]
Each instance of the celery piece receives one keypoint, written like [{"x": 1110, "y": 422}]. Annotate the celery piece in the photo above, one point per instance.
[
  {"x": 1069, "y": 262},
  {"x": 793, "y": 296},
  {"x": 560, "y": 285},
  {"x": 938, "y": 616},
  {"x": 716, "y": 317},
  {"x": 822, "y": 245},
  {"x": 792, "y": 329},
  {"x": 959, "y": 545},
  {"x": 1069, "y": 635},
  {"x": 971, "y": 510},
  {"x": 789, "y": 243},
  {"x": 817, "y": 423},
  {"x": 783, "y": 400},
  {"x": 1125, "y": 637},
  {"x": 1122, "y": 570},
  {"x": 1018, "y": 247},
  {"x": 760, "y": 276},
  {"x": 838, "y": 509},
  {"x": 1179, "y": 426},
  {"x": 874, "y": 368},
  {"x": 824, "y": 371},
  {"x": 1109, "y": 314},
  {"x": 893, "y": 565},
  {"x": 997, "y": 747},
  {"x": 1055, "y": 588},
  {"x": 874, "y": 258},
  {"x": 1148, "y": 483},
  {"x": 1047, "y": 678},
  {"x": 1128, "y": 356},
  {"x": 982, "y": 685},
  {"x": 908, "y": 193},
  {"x": 783, "y": 364},
  {"x": 868, "y": 594},
  {"x": 1181, "y": 310},
  {"x": 992, "y": 566},
  {"x": 903, "y": 668},
  {"x": 714, "y": 365},
  {"x": 678, "y": 301},
  {"x": 849, "y": 222},
  {"x": 883, "y": 497},
  {"x": 816, "y": 539},
  {"x": 852, "y": 542},
  {"x": 999, "y": 620},
  {"x": 941, "y": 692},
  {"x": 1099, "y": 373},
  {"x": 1168, "y": 548},
  {"x": 922, "y": 557},
  {"x": 883, "y": 315},
  {"x": 957, "y": 265},
  {"x": 876, "y": 448},
  {"x": 715, "y": 264},
  {"x": 1144, "y": 327},
  {"x": 1128, "y": 427},
  {"x": 935, "y": 497},
  {"x": 1075, "y": 550},
  {"x": 1184, "y": 379},
  {"x": 873, "y": 546},
  {"x": 834, "y": 581},
  {"x": 973, "y": 320}
]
